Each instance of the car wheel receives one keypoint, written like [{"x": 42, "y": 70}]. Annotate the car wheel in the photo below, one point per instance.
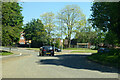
[{"x": 52, "y": 54}]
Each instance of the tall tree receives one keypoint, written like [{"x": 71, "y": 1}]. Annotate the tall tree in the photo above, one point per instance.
[
  {"x": 89, "y": 34},
  {"x": 48, "y": 21},
  {"x": 35, "y": 31},
  {"x": 106, "y": 16},
  {"x": 86, "y": 34},
  {"x": 111, "y": 38},
  {"x": 12, "y": 21},
  {"x": 0, "y": 23},
  {"x": 72, "y": 19}
]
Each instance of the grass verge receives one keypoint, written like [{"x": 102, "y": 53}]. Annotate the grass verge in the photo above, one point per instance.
[
  {"x": 3, "y": 53},
  {"x": 85, "y": 51},
  {"x": 110, "y": 59},
  {"x": 76, "y": 49},
  {"x": 63, "y": 49}
]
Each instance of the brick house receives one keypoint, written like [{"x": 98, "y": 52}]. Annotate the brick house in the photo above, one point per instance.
[{"x": 22, "y": 38}]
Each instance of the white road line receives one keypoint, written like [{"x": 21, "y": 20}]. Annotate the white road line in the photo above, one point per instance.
[{"x": 20, "y": 54}]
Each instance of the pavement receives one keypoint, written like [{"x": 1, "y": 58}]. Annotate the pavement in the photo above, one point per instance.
[{"x": 62, "y": 65}]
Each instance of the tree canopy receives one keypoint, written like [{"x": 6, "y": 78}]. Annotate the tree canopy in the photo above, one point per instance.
[
  {"x": 48, "y": 21},
  {"x": 12, "y": 21},
  {"x": 106, "y": 16},
  {"x": 72, "y": 19},
  {"x": 89, "y": 35},
  {"x": 35, "y": 31}
]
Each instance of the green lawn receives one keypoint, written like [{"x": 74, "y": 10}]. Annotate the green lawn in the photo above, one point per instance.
[
  {"x": 85, "y": 51},
  {"x": 63, "y": 49},
  {"x": 76, "y": 49},
  {"x": 110, "y": 59},
  {"x": 3, "y": 53}
]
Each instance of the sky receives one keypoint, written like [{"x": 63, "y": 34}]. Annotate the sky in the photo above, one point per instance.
[
  {"x": 57, "y": 0},
  {"x": 35, "y": 9}
]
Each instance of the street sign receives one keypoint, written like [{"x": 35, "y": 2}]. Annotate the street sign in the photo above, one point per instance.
[{"x": 29, "y": 41}]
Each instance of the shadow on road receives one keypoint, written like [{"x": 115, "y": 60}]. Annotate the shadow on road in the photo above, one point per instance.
[{"x": 76, "y": 61}]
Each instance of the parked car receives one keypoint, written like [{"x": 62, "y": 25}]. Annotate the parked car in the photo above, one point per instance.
[
  {"x": 46, "y": 50},
  {"x": 102, "y": 50},
  {"x": 57, "y": 49}
]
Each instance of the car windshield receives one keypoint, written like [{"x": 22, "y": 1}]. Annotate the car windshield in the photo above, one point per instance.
[{"x": 48, "y": 47}]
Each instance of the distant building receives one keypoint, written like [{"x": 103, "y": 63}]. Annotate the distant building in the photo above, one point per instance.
[
  {"x": 83, "y": 45},
  {"x": 22, "y": 38}
]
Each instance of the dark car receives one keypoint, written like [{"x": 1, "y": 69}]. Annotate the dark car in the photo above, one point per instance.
[
  {"x": 57, "y": 49},
  {"x": 46, "y": 50},
  {"x": 103, "y": 50}
]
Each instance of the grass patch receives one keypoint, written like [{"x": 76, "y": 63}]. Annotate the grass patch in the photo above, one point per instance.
[
  {"x": 85, "y": 51},
  {"x": 110, "y": 58},
  {"x": 3, "y": 53},
  {"x": 63, "y": 49},
  {"x": 33, "y": 48},
  {"x": 76, "y": 49}
]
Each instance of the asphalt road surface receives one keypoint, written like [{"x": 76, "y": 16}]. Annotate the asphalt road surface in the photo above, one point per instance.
[{"x": 29, "y": 65}]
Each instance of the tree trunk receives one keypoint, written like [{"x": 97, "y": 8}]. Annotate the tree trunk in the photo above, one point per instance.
[
  {"x": 69, "y": 42},
  {"x": 69, "y": 38}
]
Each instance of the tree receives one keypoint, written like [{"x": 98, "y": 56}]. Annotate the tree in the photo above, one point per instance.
[
  {"x": 57, "y": 44},
  {"x": 106, "y": 16},
  {"x": 111, "y": 38},
  {"x": 72, "y": 19},
  {"x": 0, "y": 23},
  {"x": 12, "y": 21},
  {"x": 48, "y": 21},
  {"x": 35, "y": 31},
  {"x": 88, "y": 34}
]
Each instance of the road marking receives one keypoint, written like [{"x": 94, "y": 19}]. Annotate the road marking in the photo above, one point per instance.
[{"x": 20, "y": 54}]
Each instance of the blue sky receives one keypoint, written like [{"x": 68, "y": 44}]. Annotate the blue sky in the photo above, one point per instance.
[{"x": 35, "y": 9}]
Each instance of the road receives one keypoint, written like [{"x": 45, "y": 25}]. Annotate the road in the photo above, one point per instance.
[{"x": 29, "y": 65}]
